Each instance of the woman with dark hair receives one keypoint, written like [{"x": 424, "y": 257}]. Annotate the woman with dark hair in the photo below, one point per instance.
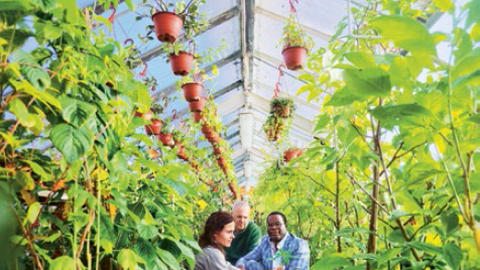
[{"x": 218, "y": 234}]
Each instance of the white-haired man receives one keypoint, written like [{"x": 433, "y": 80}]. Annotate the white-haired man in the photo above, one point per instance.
[{"x": 247, "y": 234}]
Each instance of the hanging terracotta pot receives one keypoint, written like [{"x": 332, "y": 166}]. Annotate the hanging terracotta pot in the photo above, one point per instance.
[
  {"x": 207, "y": 129},
  {"x": 197, "y": 116},
  {"x": 291, "y": 154},
  {"x": 181, "y": 153},
  {"x": 221, "y": 162},
  {"x": 181, "y": 63},
  {"x": 294, "y": 57},
  {"x": 197, "y": 106},
  {"x": 192, "y": 91},
  {"x": 154, "y": 128},
  {"x": 166, "y": 139},
  {"x": 217, "y": 150},
  {"x": 147, "y": 116},
  {"x": 233, "y": 190},
  {"x": 212, "y": 137},
  {"x": 167, "y": 26}
]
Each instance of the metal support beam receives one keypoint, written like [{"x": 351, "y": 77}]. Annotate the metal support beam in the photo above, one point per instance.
[{"x": 283, "y": 19}]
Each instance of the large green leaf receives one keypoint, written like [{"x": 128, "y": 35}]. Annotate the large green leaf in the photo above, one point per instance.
[
  {"x": 35, "y": 74},
  {"x": 76, "y": 112},
  {"x": 63, "y": 263},
  {"x": 395, "y": 114},
  {"x": 18, "y": 108},
  {"x": 187, "y": 252},
  {"x": 450, "y": 222},
  {"x": 343, "y": 97},
  {"x": 146, "y": 250},
  {"x": 368, "y": 82},
  {"x": 147, "y": 231},
  {"x": 361, "y": 59},
  {"x": 12, "y": 11},
  {"x": 73, "y": 143},
  {"x": 473, "y": 12},
  {"x": 168, "y": 259},
  {"x": 330, "y": 262},
  {"x": 469, "y": 64},
  {"x": 15, "y": 38},
  {"x": 128, "y": 259},
  {"x": 406, "y": 33},
  {"x": 453, "y": 255}
]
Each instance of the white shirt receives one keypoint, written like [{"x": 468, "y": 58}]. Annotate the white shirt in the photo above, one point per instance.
[{"x": 277, "y": 258}]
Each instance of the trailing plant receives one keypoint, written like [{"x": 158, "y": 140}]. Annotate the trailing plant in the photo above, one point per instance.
[
  {"x": 282, "y": 107},
  {"x": 294, "y": 36}
]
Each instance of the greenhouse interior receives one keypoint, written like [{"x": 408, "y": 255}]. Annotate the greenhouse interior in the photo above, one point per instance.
[{"x": 163, "y": 134}]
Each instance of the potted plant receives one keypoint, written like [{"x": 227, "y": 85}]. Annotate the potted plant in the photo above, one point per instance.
[
  {"x": 213, "y": 137},
  {"x": 154, "y": 128},
  {"x": 292, "y": 153},
  {"x": 166, "y": 136},
  {"x": 169, "y": 17},
  {"x": 180, "y": 57},
  {"x": 296, "y": 44},
  {"x": 197, "y": 116},
  {"x": 274, "y": 127},
  {"x": 197, "y": 106},
  {"x": 282, "y": 107}
]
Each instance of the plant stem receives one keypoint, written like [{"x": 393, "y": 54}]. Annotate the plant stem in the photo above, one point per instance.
[{"x": 30, "y": 244}]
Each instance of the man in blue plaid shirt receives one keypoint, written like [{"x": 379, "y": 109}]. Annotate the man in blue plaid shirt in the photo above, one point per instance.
[{"x": 279, "y": 250}]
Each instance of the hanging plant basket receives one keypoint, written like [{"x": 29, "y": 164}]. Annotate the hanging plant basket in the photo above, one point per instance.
[
  {"x": 197, "y": 106},
  {"x": 166, "y": 139},
  {"x": 221, "y": 162},
  {"x": 294, "y": 57},
  {"x": 181, "y": 63},
  {"x": 217, "y": 150},
  {"x": 282, "y": 107},
  {"x": 167, "y": 26},
  {"x": 291, "y": 154},
  {"x": 282, "y": 111},
  {"x": 154, "y": 128},
  {"x": 181, "y": 153},
  {"x": 197, "y": 117},
  {"x": 213, "y": 137},
  {"x": 207, "y": 129},
  {"x": 192, "y": 91}
]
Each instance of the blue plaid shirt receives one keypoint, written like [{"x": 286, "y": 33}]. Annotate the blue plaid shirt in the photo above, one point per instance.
[{"x": 261, "y": 257}]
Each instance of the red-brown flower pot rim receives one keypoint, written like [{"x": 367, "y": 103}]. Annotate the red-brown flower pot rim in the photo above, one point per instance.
[
  {"x": 192, "y": 83},
  {"x": 166, "y": 12},
  {"x": 289, "y": 47},
  {"x": 182, "y": 52}
]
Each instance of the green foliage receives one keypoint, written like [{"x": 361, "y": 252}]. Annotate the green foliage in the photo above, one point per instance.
[
  {"x": 294, "y": 36},
  {"x": 383, "y": 127},
  {"x": 79, "y": 185}
]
